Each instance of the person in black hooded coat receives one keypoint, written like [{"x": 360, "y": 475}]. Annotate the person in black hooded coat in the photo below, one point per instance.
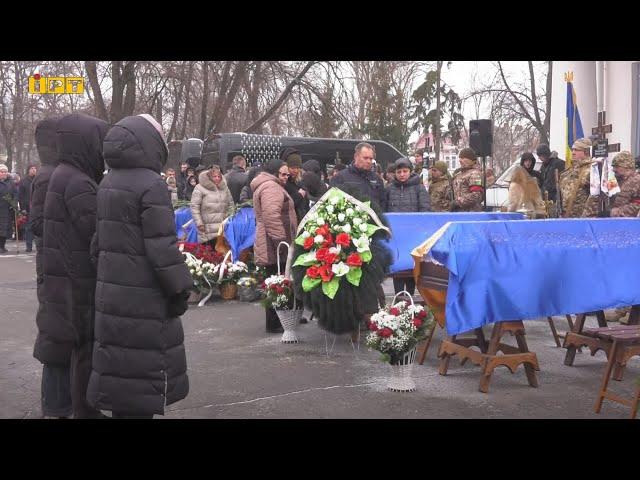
[
  {"x": 66, "y": 332},
  {"x": 139, "y": 360},
  {"x": 56, "y": 389}
]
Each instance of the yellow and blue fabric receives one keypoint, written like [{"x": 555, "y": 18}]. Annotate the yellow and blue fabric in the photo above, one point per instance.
[
  {"x": 501, "y": 271},
  {"x": 573, "y": 123}
]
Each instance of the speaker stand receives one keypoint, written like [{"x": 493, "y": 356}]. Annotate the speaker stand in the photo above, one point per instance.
[{"x": 484, "y": 183}]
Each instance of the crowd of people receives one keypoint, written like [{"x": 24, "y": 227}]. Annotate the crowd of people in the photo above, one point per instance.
[{"x": 101, "y": 204}]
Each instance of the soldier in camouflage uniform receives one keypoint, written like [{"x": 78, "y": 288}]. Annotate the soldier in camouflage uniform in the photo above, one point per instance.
[
  {"x": 574, "y": 183},
  {"x": 440, "y": 188},
  {"x": 467, "y": 183},
  {"x": 627, "y": 202}
]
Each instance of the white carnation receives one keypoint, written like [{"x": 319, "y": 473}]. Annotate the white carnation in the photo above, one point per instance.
[
  {"x": 320, "y": 221},
  {"x": 341, "y": 217},
  {"x": 305, "y": 234},
  {"x": 330, "y": 208},
  {"x": 346, "y": 228},
  {"x": 357, "y": 221},
  {"x": 363, "y": 227},
  {"x": 350, "y": 212},
  {"x": 318, "y": 239}
]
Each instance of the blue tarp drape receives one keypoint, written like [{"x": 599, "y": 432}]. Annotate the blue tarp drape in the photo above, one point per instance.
[
  {"x": 411, "y": 229},
  {"x": 501, "y": 271}
]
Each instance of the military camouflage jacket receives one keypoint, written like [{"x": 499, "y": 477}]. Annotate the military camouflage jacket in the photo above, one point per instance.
[
  {"x": 574, "y": 185},
  {"x": 467, "y": 189},
  {"x": 440, "y": 193},
  {"x": 627, "y": 202}
]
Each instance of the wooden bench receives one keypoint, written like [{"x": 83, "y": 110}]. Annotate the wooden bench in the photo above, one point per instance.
[
  {"x": 622, "y": 343},
  {"x": 579, "y": 338}
]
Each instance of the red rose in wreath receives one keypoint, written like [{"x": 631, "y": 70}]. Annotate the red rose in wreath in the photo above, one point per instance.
[
  {"x": 343, "y": 239},
  {"x": 354, "y": 260}
]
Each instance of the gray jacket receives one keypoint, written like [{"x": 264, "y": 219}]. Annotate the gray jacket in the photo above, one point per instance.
[{"x": 410, "y": 196}]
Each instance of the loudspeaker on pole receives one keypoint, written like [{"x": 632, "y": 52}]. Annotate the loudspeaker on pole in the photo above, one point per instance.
[{"x": 481, "y": 137}]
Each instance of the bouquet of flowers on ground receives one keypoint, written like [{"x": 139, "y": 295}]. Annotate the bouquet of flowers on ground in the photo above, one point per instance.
[
  {"x": 204, "y": 274},
  {"x": 201, "y": 251},
  {"x": 336, "y": 235},
  {"x": 278, "y": 293},
  {"x": 232, "y": 272},
  {"x": 397, "y": 329}
]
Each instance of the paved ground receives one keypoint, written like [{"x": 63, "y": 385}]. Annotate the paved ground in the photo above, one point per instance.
[{"x": 236, "y": 370}]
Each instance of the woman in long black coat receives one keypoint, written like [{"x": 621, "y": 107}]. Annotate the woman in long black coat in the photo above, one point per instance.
[
  {"x": 56, "y": 387},
  {"x": 7, "y": 189},
  {"x": 66, "y": 333},
  {"x": 139, "y": 360}
]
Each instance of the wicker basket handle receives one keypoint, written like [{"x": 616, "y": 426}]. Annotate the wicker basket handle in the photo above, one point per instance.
[
  {"x": 287, "y": 267},
  {"x": 400, "y": 293},
  {"x": 223, "y": 264}
]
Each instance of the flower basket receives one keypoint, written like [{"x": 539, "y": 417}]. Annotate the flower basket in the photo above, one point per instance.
[
  {"x": 401, "y": 379},
  {"x": 395, "y": 331},
  {"x": 228, "y": 291},
  {"x": 279, "y": 296}
]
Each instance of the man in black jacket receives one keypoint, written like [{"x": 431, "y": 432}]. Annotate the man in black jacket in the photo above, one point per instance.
[
  {"x": 236, "y": 178},
  {"x": 360, "y": 176},
  {"x": 293, "y": 159},
  {"x": 139, "y": 363},
  {"x": 66, "y": 333},
  {"x": 24, "y": 198},
  {"x": 550, "y": 165}
]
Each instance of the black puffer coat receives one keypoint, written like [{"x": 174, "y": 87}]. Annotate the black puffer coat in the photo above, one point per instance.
[
  {"x": 139, "y": 361},
  {"x": 410, "y": 196},
  {"x": 69, "y": 225},
  {"x": 367, "y": 182},
  {"x": 7, "y": 187},
  {"x": 46, "y": 144}
]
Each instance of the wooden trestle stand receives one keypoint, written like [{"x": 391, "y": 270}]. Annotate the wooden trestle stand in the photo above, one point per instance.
[{"x": 432, "y": 281}]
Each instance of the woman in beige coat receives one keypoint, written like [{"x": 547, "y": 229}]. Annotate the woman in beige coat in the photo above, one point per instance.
[
  {"x": 209, "y": 203},
  {"x": 524, "y": 193},
  {"x": 275, "y": 222}
]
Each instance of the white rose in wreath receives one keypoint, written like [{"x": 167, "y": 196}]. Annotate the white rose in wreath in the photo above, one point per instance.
[
  {"x": 330, "y": 208},
  {"x": 350, "y": 212},
  {"x": 320, "y": 221},
  {"x": 357, "y": 221},
  {"x": 341, "y": 217},
  {"x": 346, "y": 228},
  {"x": 363, "y": 227},
  {"x": 318, "y": 239},
  {"x": 340, "y": 269}
]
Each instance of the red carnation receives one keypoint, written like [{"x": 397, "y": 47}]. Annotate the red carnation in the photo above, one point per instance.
[
  {"x": 321, "y": 253},
  {"x": 273, "y": 286},
  {"x": 354, "y": 260},
  {"x": 312, "y": 272},
  {"x": 328, "y": 241},
  {"x": 286, "y": 282},
  {"x": 323, "y": 230},
  {"x": 325, "y": 273},
  {"x": 330, "y": 258},
  {"x": 373, "y": 327},
  {"x": 394, "y": 311},
  {"x": 422, "y": 314},
  {"x": 343, "y": 239},
  {"x": 308, "y": 243},
  {"x": 385, "y": 332},
  {"x": 279, "y": 289},
  {"x": 417, "y": 322}
]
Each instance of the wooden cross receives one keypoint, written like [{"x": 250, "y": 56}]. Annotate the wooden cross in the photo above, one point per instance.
[{"x": 601, "y": 131}]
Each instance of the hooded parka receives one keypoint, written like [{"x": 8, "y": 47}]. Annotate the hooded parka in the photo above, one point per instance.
[{"x": 139, "y": 361}]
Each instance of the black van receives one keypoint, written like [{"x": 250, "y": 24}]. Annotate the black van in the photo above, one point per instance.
[{"x": 220, "y": 148}]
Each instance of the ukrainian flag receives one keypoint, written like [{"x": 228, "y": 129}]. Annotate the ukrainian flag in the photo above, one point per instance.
[{"x": 574, "y": 125}]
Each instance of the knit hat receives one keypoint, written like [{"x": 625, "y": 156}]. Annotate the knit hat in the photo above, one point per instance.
[
  {"x": 624, "y": 160},
  {"x": 543, "y": 150},
  {"x": 442, "y": 166},
  {"x": 582, "y": 144},
  {"x": 294, "y": 160},
  {"x": 468, "y": 153},
  {"x": 403, "y": 162}
]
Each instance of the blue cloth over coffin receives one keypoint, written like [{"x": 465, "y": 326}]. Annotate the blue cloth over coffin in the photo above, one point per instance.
[
  {"x": 411, "y": 229},
  {"x": 501, "y": 271},
  {"x": 240, "y": 231},
  {"x": 183, "y": 215}
]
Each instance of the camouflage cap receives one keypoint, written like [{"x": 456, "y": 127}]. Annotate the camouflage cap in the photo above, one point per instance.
[
  {"x": 442, "y": 166},
  {"x": 582, "y": 144},
  {"x": 624, "y": 159}
]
